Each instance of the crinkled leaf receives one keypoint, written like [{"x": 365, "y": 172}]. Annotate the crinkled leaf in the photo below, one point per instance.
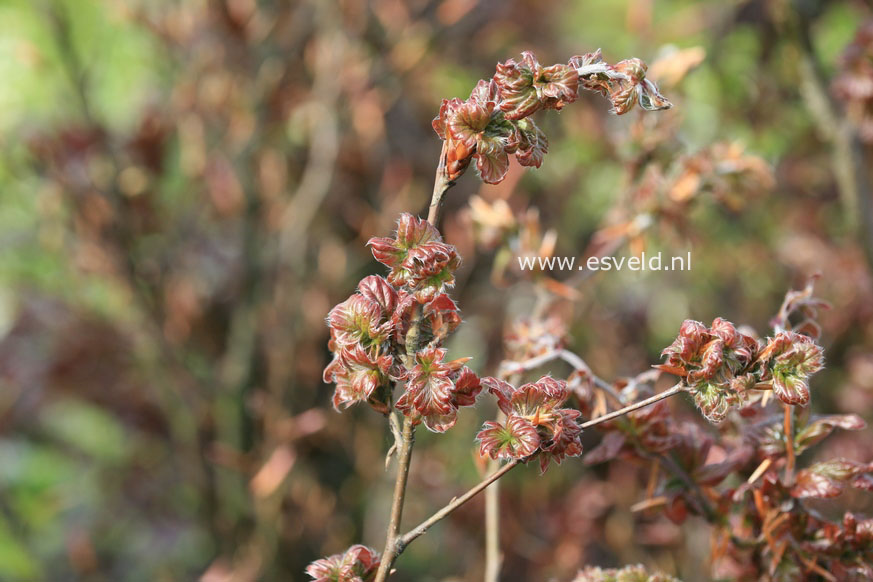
[
  {"x": 529, "y": 401},
  {"x": 563, "y": 438},
  {"x": 712, "y": 400},
  {"x": 468, "y": 121},
  {"x": 502, "y": 390},
  {"x": 447, "y": 108},
  {"x": 357, "y": 375},
  {"x": 634, "y": 70},
  {"x": 417, "y": 257},
  {"x": 558, "y": 86},
  {"x": 377, "y": 289},
  {"x": 790, "y": 389},
  {"x": 623, "y": 99},
  {"x": 516, "y": 81},
  {"x": 467, "y": 387},
  {"x": 441, "y": 315},
  {"x": 516, "y": 439},
  {"x": 579, "y": 61},
  {"x": 429, "y": 388},
  {"x": 627, "y": 574},
  {"x": 411, "y": 232},
  {"x": 485, "y": 92},
  {"x": 358, "y": 321},
  {"x": 533, "y": 144},
  {"x": 492, "y": 168},
  {"x": 358, "y": 564}
]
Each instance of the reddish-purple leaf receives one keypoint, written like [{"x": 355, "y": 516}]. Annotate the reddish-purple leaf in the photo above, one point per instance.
[
  {"x": 358, "y": 564},
  {"x": 819, "y": 428},
  {"x": 516, "y": 439},
  {"x": 830, "y": 478},
  {"x": 608, "y": 449}
]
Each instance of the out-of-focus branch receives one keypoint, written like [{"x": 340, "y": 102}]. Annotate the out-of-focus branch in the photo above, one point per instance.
[
  {"x": 324, "y": 140},
  {"x": 493, "y": 556},
  {"x": 847, "y": 156},
  {"x": 572, "y": 359}
]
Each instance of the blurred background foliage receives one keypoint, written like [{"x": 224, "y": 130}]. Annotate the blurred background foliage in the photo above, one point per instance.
[{"x": 186, "y": 188}]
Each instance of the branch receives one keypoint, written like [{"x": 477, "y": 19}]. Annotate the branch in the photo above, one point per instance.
[
  {"x": 441, "y": 185},
  {"x": 847, "y": 158},
  {"x": 680, "y": 387},
  {"x": 493, "y": 557},
  {"x": 457, "y": 502},
  {"x": 394, "y": 546},
  {"x": 403, "y": 541},
  {"x": 403, "y": 461}
]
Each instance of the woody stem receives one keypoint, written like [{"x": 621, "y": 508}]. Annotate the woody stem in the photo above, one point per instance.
[
  {"x": 393, "y": 545},
  {"x": 454, "y": 504},
  {"x": 441, "y": 185},
  {"x": 680, "y": 387},
  {"x": 404, "y": 458}
]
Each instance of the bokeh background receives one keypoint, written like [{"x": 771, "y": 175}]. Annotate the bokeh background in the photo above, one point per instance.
[{"x": 186, "y": 188}]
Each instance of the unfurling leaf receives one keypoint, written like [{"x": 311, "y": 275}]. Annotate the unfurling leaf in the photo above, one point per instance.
[
  {"x": 436, "y": 389},
  {"x": 357, "y": 564},
  {"x": 516, "y": 439}
]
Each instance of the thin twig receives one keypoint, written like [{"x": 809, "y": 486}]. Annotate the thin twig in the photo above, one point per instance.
[
  {"x": 393, "y": 546},
  {"x": 582, "y": 365},
  {"x": 400, "y": 543},
  {"x": 441, "y": 185},
  {"x": 398, "y": 437},
  {"x": 403, "y": 461},
  {"x": 457, "y": 502},
  {"x": 680, "y": 387}
]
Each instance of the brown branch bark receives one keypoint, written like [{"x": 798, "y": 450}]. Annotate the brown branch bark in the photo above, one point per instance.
[
  {"x": 404, "y": 459},
  {"x": 441, "y": 185}
]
